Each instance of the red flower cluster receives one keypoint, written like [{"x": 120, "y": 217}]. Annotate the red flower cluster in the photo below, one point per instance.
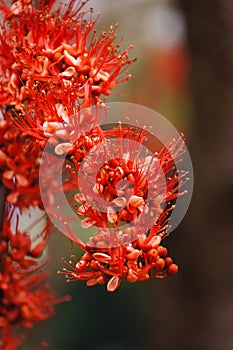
[
  {"x": 23, "y": 299},
  {"x": 56, "y": 52},
  {"x": 133, "y": 186},
  {"x": 127, "y": 243},
  {"x": 52, "y": 64},
  {"x": 137, "y": 261},
  {"x": 19, "y": 166}
]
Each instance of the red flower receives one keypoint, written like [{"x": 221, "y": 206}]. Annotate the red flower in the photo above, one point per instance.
[
  {"x": 19, "y": 166},
  {"x": 24, "y": 300},
  {"x": 127, "y": 243},
  {"x": 137, "y": 261},
  {"x": 135, "y": 188},
  {"x": 55, "y": 122},
  {"x": 57, "y": 52}
]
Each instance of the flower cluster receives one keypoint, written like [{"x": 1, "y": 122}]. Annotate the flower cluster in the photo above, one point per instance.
[
  {"x": 19, "y": 166},
  {"x": 133, "y": 186},
  {"x": 55, "y": 71},
  {"x": 135, "y": 220},
  {"x": 57, "y": 52},
  {"x": 52, "y": 64},
  {"x": 24, "y": 300},
  {"x": 138, "y": 261}
]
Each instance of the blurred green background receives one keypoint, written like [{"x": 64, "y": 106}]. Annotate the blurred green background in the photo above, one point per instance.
[{"x": 184, "y": 71}]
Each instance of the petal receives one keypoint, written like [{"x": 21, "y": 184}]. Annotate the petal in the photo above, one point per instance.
[
  {"x": 22, "y": 180},
  {"x": 87, "y": 223},
  {"x": 102, "y": 257},
  {"x": 8, "y": 175},
  {"x": 82, "y": 210},
  {"x": 132, "y": 276},
  {"x": 155, "y": 241},
  {"x": 98, "y": 188},
  {"x": 120, "y": 201},
  {"x": 62, "y": 112},
  {"x": 136, "y": 201},
  {"x": 63, "y": 148},
  {"x": 69, "y": 72},
  {"x": 113, "y": 283},
  {"x": 13, "y": 197},
  {"x": 79, "y": 197},
  {"x": 111, "y": 215}
]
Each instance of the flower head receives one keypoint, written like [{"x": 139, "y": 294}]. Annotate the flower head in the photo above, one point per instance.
[
  {"x": 136, "y": 188},
  {"x": 57, "y": 52},
  {"x": 139, "y": 194}
]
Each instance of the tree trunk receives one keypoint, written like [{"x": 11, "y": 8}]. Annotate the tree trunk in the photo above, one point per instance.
[{"x": 198, "y": 314}]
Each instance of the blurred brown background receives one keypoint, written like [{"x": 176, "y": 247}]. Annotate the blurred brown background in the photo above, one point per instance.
[{"x": 185, "y": 72}]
